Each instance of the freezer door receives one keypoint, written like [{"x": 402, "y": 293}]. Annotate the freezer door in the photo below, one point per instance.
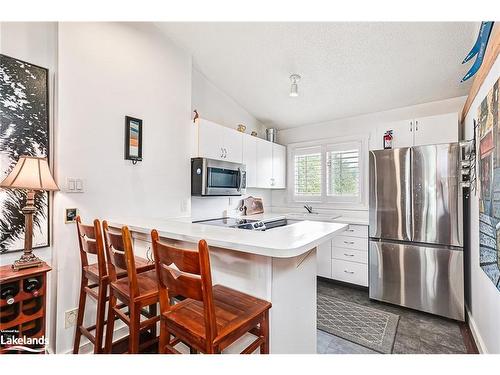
[
  {"x": 390, "y": 201},
  {"x": 437, "y": 195},
  {"x": 424, "y": 278}
]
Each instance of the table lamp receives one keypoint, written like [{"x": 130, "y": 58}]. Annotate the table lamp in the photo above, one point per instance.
[{"x": 30, "y": 173}]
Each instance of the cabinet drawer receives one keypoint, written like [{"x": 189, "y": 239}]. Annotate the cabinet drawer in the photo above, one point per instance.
[
  {"x": 350, "y": 272},
  {"x": 356, "y": 231},
  {"x": 350, "y": 255},
  {"x": 348, "y": 242}
]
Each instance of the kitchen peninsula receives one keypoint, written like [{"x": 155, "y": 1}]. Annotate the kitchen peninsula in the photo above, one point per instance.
[{"x": 278, "y": 265}]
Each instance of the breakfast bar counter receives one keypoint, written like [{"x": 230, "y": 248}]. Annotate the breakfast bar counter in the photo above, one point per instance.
[{"x": 278, "y": 265}]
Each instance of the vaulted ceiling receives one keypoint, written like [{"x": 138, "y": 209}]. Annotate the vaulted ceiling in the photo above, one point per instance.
[{"x": 347, "y": 69}]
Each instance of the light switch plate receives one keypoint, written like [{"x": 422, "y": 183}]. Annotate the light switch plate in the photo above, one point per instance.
[{"x": 74, "y": 185}]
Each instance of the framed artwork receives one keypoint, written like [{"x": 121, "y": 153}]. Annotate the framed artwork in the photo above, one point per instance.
[
  {"x": 24, "y": 130},
  {"x": 489, "y": 185},
  {"x": 70, "y": 215},
  {"x": 133, "y": 139}
]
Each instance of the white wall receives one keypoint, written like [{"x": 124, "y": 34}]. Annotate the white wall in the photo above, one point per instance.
[
  {"x": 484, "y": 308},
  {"x": 107, "y": 71},
  {"x": 359, "y": 126},
  {"x": 214, "y": 105},
  {"x": 36, "y": 42}
]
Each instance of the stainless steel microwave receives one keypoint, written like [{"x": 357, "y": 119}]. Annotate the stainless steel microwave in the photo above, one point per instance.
[{"x": 217, "y": 177}]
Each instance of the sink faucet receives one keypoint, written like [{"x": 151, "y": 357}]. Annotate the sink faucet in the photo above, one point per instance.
[{"x": 308, "y": 208}]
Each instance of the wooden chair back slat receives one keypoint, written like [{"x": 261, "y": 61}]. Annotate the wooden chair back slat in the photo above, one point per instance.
[
  {"x": 117, "y": 250},
  {"x": 187, "y": 261},
  {"x": 186, "y": 273},
  {"x": 181, "y": 283},
  {"x": 90, "y": 242},
  {"x": 120, "y": 254}
]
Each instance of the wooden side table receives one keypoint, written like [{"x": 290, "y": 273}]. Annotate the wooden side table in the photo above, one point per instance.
[{"x": 23, "y": 309}]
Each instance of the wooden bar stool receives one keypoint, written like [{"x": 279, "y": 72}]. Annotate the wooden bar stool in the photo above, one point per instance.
[
  {"x": 136, "y": 291},
  {"x": 90, "y": 242},
  {"x": 209, "y": 319}
]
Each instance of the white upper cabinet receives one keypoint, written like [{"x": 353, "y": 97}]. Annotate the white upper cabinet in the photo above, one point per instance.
[
  {"x": 233, "y": 145},
  {"x": 218, "y": 142},
  {"x": 402, "y": 135},
  {"x": 210, "y": 140},
  {"x": 250, "y": 159},
  {"x": 420, "y": 131},
  {"x": 279, "y": 167},
  {"x": 264, "y": 163},
  {"x": 436, "y": 129}
]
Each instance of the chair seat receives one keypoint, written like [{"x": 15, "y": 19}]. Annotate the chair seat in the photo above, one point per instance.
[
  {"x": 141, "y": 265},
  {"x": 233, "y": 309},
  {"x": 146, "y": 281}
]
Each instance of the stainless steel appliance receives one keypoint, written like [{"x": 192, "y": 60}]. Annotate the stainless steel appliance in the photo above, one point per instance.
[
  {"x": 250, "y": 224},
  {"x": 416, "y": 229},
  {"x": 216, "y": 177}
]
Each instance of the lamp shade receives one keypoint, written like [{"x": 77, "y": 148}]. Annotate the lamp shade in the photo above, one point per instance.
[{"x": 30, "y": 173}]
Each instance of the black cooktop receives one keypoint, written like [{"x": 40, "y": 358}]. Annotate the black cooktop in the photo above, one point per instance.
[{"x": 231, "y": 222}]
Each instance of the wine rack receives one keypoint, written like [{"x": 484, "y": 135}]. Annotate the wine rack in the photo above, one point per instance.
[{"x": 22, "y": 306}]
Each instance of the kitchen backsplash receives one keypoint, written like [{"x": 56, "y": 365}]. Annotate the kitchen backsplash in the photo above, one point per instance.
[{"x": 214, "y": 207}]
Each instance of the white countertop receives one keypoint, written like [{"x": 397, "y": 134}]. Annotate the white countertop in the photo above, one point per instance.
[{"x": 282, "y": 242}]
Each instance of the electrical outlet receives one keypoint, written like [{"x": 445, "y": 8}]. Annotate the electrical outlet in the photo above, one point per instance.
[{"x": 70, "y": 318}]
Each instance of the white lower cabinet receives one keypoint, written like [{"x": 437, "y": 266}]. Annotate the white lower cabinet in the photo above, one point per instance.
[
  {"x": 345, "y": 257},
  {"x": 349, "y": 255},
  {"x": 350, "y": 272}
]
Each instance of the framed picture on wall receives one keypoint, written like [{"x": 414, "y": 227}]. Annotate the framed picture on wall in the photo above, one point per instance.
[
  {"x": 133, "y": 139},
  {"x": 489, "y": 184},
  {"x": 24, "y": 130}
]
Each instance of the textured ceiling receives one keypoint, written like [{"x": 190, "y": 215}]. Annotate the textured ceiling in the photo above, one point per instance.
[{"x": 347, "y": 69}]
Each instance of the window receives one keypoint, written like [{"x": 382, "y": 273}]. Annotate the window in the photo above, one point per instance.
[
  {"x": 342, "y": 170},
  {"x": 328, "y": 172},
  {"x": 307, "y": 166}
]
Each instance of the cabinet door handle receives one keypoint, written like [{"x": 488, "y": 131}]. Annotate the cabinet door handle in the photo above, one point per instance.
[
  {"x": 411, "y": 126},
  {"x": 221, "y": 152},
  {"x": 348, "y": 255},
  {"x": 349, "y": 242},
  {"x": 350, "y": 230},
  {"x": 416, "y": 125},
  {"x": 349, "y": 272}
]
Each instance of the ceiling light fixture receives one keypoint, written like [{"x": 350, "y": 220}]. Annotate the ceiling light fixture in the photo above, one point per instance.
[{"x": 294, "y": 89}]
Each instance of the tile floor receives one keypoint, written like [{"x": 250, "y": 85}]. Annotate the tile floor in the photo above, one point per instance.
[{"x": 417, "y": 333}]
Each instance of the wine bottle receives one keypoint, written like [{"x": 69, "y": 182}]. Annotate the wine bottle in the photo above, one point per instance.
[
  {"x": 8, "y": 292},
  {"x": 32, "y": 285}
]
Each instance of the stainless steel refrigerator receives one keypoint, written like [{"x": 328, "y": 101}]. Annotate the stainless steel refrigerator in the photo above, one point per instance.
[{"x": 416, "y": 229}]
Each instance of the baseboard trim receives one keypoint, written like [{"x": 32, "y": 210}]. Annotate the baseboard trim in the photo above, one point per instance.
[{"x": 481, "y": 347}]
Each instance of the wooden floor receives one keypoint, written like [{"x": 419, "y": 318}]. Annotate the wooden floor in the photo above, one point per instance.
[{"x": 417, "y": 333}]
